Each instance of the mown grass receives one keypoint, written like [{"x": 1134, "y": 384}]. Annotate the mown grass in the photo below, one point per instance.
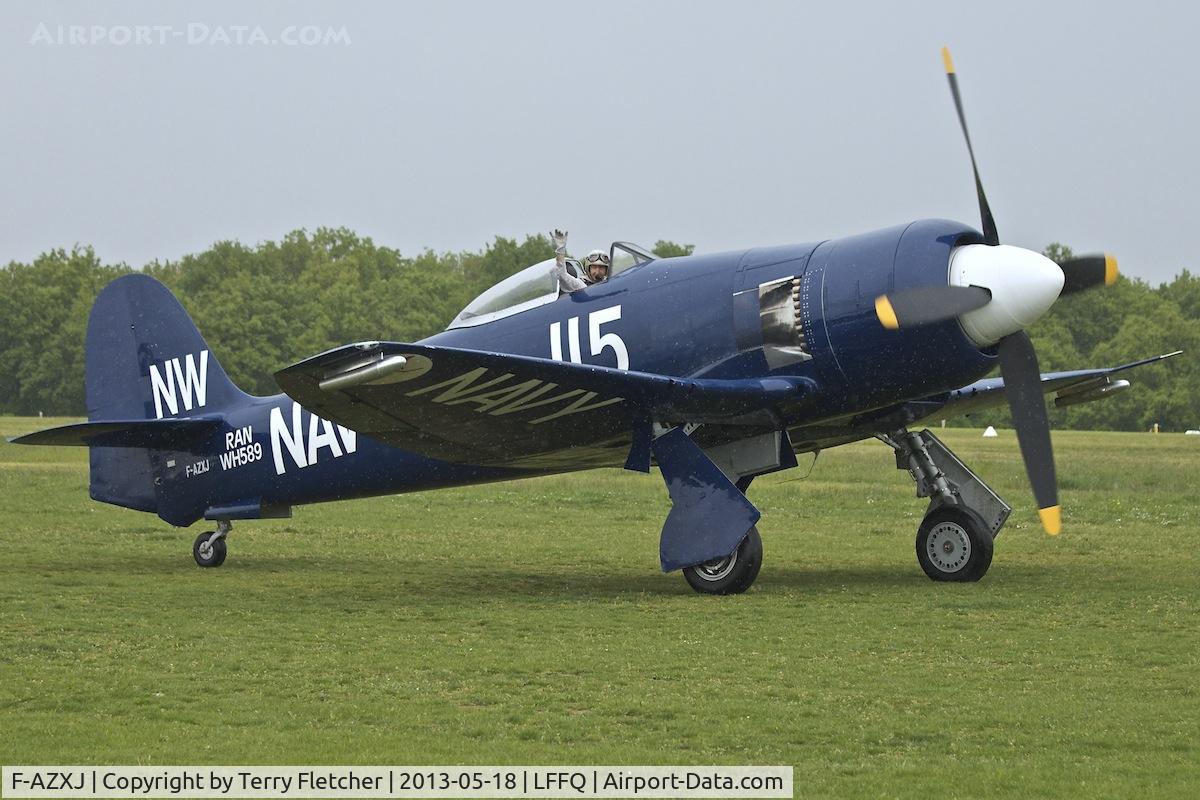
[{"x": 527, "y": 623}]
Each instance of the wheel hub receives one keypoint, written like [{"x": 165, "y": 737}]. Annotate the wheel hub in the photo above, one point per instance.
[
  {"x": 949, "y": 547},
  {"x": 205, "y": 549},
  {"x": 718, "y": 568}
]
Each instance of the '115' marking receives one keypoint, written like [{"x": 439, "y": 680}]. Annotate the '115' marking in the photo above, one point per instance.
[{"x": 598, "y": 341}]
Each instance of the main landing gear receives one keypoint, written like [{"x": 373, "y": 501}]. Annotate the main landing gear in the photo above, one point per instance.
[
  {"x": 954, "y": 540},
  {"x": 710, "y": 531},
  {"x": 209, "y": 548}
]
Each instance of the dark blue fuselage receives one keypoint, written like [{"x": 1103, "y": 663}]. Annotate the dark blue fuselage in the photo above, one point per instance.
[{"x": 691, "y": 316}]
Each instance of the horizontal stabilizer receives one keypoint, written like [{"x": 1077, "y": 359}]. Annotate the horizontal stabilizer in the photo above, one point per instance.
[{"x": 153, "y": 434}]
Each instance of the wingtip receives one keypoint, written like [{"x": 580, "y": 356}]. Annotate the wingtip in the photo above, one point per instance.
[
  {"x": 886, "y": 314},
  {"x": 1111, "y": 273},
  {"x": 947, "y": 62},
  {"x": 1051, "y": 519}
]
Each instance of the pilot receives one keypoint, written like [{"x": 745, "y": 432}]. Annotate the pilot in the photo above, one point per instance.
[{"x": 596, "y": 266}]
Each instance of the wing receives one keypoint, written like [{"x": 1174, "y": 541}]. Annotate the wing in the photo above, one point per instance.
[
  {"x": 1078, "y": 386},
  {"x": 495, "y": 408}
]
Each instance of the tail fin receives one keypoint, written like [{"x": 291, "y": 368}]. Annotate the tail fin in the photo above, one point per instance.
[{"x": 145, "y": 360}]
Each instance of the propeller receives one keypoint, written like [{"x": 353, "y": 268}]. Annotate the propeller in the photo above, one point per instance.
[
  {"x": 927, "y": 304},
  {"x": 996, "y": 291},
  {"x": 985, "y": 211},
  {"x": 1084, "y": 272},
  {"x": 1018, "y": 365},
  {"x": 1023, "y": 389}
]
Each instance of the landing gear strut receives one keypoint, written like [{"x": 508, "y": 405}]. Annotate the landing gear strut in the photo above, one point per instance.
[
  {"x": 209, "y": 548},
  {"x": 954, "y": 541}
]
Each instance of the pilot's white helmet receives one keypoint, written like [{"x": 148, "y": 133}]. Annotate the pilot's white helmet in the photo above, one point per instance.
[{"x": 598, "y": 257}]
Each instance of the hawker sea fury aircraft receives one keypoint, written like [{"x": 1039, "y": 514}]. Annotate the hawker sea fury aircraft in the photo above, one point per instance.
[{"x": 716, "y": 368}]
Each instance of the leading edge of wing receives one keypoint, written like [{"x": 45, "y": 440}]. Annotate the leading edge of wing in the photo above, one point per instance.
[{"x": 662, "y": 395}]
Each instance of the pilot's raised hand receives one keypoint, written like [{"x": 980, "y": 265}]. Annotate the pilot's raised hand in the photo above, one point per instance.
[{"x": 560, "y": 241}]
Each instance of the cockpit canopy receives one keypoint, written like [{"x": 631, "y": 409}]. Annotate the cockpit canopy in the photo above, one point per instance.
[{"x": 535, "y": 286}]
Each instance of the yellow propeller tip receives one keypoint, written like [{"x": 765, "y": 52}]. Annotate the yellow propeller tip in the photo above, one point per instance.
[
  {"x": 1051, "y": 519},
  {"x": 947, "y": 61},
  {"x": 1110, "y": 269},
  {"x": 886, "y": 314}
]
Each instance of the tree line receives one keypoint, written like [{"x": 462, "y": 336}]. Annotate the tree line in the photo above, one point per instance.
[{"x": 267, "y": 306}]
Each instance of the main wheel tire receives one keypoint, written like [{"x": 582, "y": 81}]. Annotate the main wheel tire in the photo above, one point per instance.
[
  {"x": 732, "y": 574},
  {"x": 954, "y": 544},
  {"x": 208, "y": 553}
]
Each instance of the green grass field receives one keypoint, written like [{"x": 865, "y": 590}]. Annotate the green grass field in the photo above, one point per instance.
[{"x": 527, "y": 623}]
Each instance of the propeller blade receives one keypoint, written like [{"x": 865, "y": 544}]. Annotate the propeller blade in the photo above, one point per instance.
[
  {"x": 1085, "y": 272},
  {"x": 1023, "y": 388},
  {"x": 926, "y": 304},
  {"x": 985, "y": 212}
]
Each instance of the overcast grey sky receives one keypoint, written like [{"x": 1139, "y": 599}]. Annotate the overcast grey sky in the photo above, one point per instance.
[{"x": 720, "y": 124}]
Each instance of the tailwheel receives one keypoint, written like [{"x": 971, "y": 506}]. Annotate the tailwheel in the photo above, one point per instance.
[
  {"x": 209, "y": 548},
  {"x": 954, "y": 544},
  {"x": 732, "y": 574}
]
